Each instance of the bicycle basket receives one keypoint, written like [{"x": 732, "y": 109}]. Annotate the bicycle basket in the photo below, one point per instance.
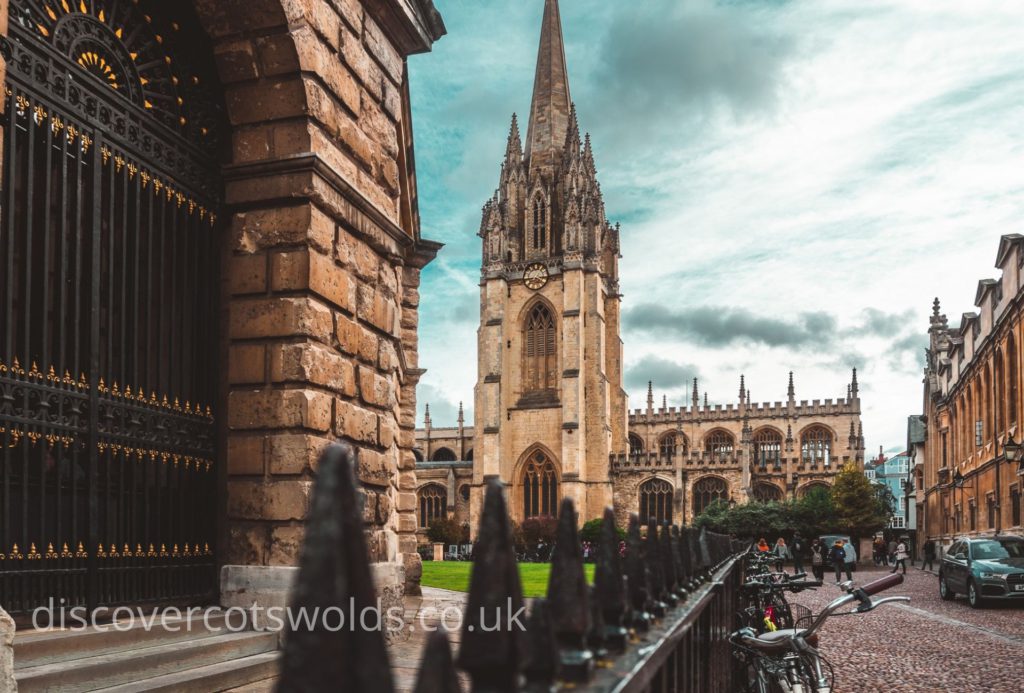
[{"x": 802, "y": 616}]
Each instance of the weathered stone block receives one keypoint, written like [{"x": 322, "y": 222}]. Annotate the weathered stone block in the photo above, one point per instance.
[
  {"x": 266, "y": 228},
  {"x": 331, "y": 282},
  {"x": 286, "y": 544},
  {"x": 247, "y": 274},
  {"x": 355, "y": 422},
  {"x": 247, "y": 542},
  {"x": 294, "y": 453},
  {"x": 258, "y": 101},
  {"x": 280, "y": 317},
  {"x": 279, "y": 409},
  {"x": 7, "y": 682},
  {"x": 246, "y": 455},
  {"x": 375, "y": 389},
  {"x": 246, "y": 364},
  {"x": 289, "y": 270},
  {"x": 314, "y": 363}
]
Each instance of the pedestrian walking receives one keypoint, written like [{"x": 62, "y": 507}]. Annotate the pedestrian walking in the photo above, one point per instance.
[
  {"x": 837, "y": 557},
  {"x": 929, "y": 555},
  {"x": 878, "y": 551},
  {"x": 891, "y": 552},
  {"x": 900, "y": 556},
  {"x": 818, "y": 559},
  {"x": 762, "y": 546},
  {"x": 797, "y": 550},
  {"x": 781, "y": 552},
  {"x": 850, "y": 558}
]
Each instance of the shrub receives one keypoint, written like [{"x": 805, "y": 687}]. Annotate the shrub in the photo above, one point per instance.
[
  {"x": 446, "y": 531},
  {"x": 592, "y": 531},
  {"x": 539, "y": 529}
]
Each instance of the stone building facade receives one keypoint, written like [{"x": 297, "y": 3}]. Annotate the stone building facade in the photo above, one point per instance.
[
  {"x": 550, "y": 416},
  {"x": 316, "y": 247},
  {"x": 972, "y": 408},
  {"x": 680, "y": 459}
]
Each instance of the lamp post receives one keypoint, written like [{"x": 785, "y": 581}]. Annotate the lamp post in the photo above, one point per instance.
[{"x": 1011, "y": 453}]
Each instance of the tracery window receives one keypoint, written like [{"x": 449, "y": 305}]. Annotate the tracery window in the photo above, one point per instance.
[
  {"x": 540, "y": 487},
  {"x": 655, "y": 501},
  {"x": 816, "y": 446},
  {"x": 766, "y": 493},
  {"x": 706, "y": 491},
  {"x": 719, "y": 444},
  {"x": 767, "y": 447},
  {"x": 670, "y": 444},
  {"x": 636, "y": 445},
  {"x": 539, "y": 349},
  {"x": 433, "y": 502}
]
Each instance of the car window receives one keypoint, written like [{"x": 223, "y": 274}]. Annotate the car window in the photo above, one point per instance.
[
  {"x": 955, "y": 548},
  {"x": 995, "y": 549}
]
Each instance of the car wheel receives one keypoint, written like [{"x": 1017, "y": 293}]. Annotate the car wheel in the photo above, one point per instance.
[
  {"x": 973, "y": 596},
  {"x": 944, "y": 591}
]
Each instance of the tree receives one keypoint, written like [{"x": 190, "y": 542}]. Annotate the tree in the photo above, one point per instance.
[
  {"x": 859, "y": 509},
  {"x": 446, "y": 530},
  {"x": 814, "y": 514},
  {"x": 591, "y": 531}
]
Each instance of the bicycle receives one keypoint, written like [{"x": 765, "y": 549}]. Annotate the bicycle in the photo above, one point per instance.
[{"x": 787, "y": 660}]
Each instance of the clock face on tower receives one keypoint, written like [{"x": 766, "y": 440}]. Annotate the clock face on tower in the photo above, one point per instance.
[{"x": 535, "y": 276}]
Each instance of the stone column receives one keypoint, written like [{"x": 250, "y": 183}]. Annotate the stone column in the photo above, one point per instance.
[{"x": 7, "y": 682}]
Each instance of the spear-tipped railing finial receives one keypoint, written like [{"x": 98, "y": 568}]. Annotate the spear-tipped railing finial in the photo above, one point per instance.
[{"x": 568, "y": 598}]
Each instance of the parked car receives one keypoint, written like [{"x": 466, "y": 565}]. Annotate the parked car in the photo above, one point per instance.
[
  {"x": 829, "y": 539},
  {"x": 983, "y": 568}
]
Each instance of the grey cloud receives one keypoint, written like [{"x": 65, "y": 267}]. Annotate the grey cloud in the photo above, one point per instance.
[
  {"x": 879, "y": 323},
  {"x": 906, "y": 354},
  {"x": 443, "y": 411},
  {"x": 664, "y": 373},
  {"x": 723, "y": 326},
  {"x": 662, "y": 58}
]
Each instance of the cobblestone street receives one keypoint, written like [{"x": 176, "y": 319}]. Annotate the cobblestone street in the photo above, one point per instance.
[{"x": 925, "y": 645}]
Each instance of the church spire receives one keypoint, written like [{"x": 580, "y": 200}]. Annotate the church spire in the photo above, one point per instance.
[
  {"x": 514, "y": 148},
  {"x": 549, "y": 114}
]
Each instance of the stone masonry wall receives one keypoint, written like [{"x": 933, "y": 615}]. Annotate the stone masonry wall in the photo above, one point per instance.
[{"x": 321, "y": 271}]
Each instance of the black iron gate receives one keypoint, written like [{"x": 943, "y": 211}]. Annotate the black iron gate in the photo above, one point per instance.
[{"x": 108, "y": 282}]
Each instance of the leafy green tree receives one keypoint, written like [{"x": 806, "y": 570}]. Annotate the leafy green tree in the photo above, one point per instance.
[
  {"x": 446, "y": 530},
  {"x": 859, "y": 509},
  {"x": 814, "y": 514}
]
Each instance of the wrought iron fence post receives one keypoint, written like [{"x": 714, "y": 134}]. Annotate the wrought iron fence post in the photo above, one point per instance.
[
  {"x": 541, "y": 669},
  {"x": 437, "y": 670},
  {"x": 610, "y": 587},
  {"x": 491, "y": 651},
  {"x": 568, "y": 599},
  {"x": 668, "y": 565},
  {"x": 652, "y": 556},
  {"x": 638, "y": 578},
  {"x": 681, "y": 571},
  {"x": 334, "y": 574}
]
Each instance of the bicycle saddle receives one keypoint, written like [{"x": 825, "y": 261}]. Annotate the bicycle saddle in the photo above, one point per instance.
[{"x": 777, "y": 641}]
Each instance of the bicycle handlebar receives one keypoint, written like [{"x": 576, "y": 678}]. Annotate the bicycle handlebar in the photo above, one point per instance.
[{"x": 882, "y": 584}]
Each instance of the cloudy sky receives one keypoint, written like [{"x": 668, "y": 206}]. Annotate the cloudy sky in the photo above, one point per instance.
[{"x": 796, "y": 181}]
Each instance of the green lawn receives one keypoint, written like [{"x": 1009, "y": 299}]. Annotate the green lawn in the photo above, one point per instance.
[{"x": 454, "y": 575}]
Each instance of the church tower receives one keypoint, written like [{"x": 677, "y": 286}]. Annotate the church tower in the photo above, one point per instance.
[{"x": 550, "y": 406}]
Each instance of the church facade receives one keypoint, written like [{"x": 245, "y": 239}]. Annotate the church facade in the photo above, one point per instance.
[{"x": 550, "y": 411}]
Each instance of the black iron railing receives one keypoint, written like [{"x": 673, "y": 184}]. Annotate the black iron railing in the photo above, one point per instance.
[{"x": 656, "y": 619}]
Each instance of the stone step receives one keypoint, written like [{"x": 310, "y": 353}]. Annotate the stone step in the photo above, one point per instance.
[
  {"x": 35, "y": 648},
  {"x": 134, "y": 665},
  {"x": 253, "y": 674}
]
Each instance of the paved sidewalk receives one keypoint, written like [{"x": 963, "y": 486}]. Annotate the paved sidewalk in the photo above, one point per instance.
[
  {"x": 423, "y": 614},
  {"x": 924, "y": 646}
]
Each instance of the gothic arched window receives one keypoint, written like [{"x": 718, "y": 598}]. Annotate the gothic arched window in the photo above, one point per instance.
[
  {"x": 540, "y": 487},
  {"x": 816, "y": 446},
  {"x": 655, "y": 501},
  {"x": 636, "y": 445},
  {"x": 540, "y": 223},
  {"x": 814, "y": 487},
  {"x": 765, "y": 492},
  {"x": 706, "y": 491},
  {"x": 669, "y": 445},
  {"x": 767, "y": 447},
  {"x": 719, "y": 443},
  {"x": 539, "y": 356},
  {"x": 433, "y": 504},
  {"x": 443, "y": 455}
]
